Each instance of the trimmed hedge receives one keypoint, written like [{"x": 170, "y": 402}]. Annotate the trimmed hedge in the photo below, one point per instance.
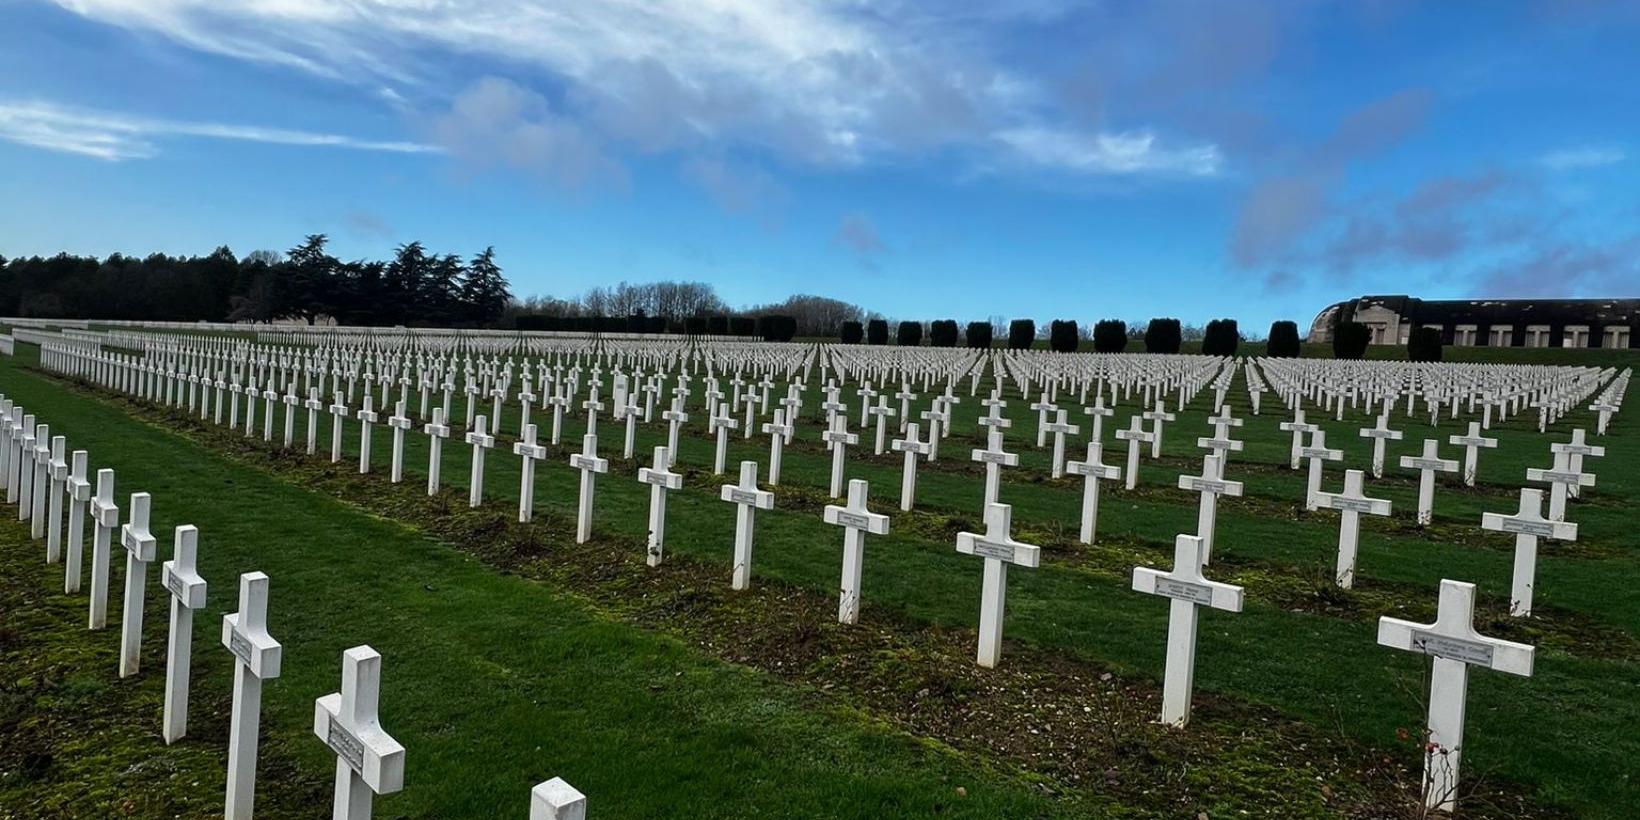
[
  {"x": 1163, "y": 335},
  {"x": 1350, "y": 340},
  {"x": 1221, "y": 338},
  {"x": 1424, "y": 344},
  {"x": 1062, "y": 335},
  {"x": 877, "y": 332},
  {"x": 851, "y": 333},
  {"x": 908, "y": 334},
  {"x": 742, "y": 325},
  {"x": 1110, "y": 336},
  {"x": 695, "y": 325},
  {"x": 943, "y": 333},
  {"x": 980, "y": 334},
  {"x": 1021, "y": 334},
  {"x": 1283, "y": 343},
  {"x": 774, "y": 328},
  {"x": 717, "y": 325}
]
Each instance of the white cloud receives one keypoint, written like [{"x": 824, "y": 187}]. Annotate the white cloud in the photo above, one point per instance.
[
  {"x": 1132, "y": 152},
  {"x": 115, "y": 136},
  {"x": 815, "y": 82},
  {"x": 1570, "y": 159}
]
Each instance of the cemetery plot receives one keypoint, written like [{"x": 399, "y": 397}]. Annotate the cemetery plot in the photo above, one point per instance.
[{"x": 1069, "y": 619}]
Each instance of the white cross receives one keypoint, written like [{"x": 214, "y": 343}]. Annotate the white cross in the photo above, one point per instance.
[
  {"x": 1134, "y": 436},
  {"x": 999, "y": 549},
  {"x": 1470, "y": 444},
  {"x": 1042, "y": 407},
  {"x": 908, "y": 474},
  {"x": 1298, "y": 428},
  {"x": 839, "y": 438},
  {"x": 187, "y": 590},
  {"x": 366, "y": 416},
  {"x": 1317, "y": 452},
  {"x": 368, "y": 760},
  {"x": 313, "y": 404},
  {"x": 557, "y": 800},
  {"x": 1559, "y": 477},
  {"x": 1158, "y": 416},
  {"x": 1220, "y": 442},
  {"x": 724, "y": 423},
  {"x": 590, "y": 465},
  {"x": 437, "y": 431},
  {"x": 79, "y": 492},
  {"x": 530, "y": 452},
  {"x": 856, "y": 520},
  {"x": 1427, "y": 464},
  {"x": 660, "y": 479},
  {"x": 1060, "y": 428},
  {"x": 57, "y": 472},
  {"x": 1454, "y": 646},
  {"x": 777, "y": 430},
  {"x": 139, "y": 552},
  {"x": 674, "y": 417},
  {"x": 994, "y": 458},
  {"x": 1379, "y": 434},
  {"x": 481, "y": 442},
  {"x": 1577, "y": 448},
  {"x": 883, "y": 413},
  {"x": 936, "y": 416},
  {"x": 105, "y": 516},
  {"x": 1528, "y": 525},
  {"x": 1098, "y": 413},
  {"x": 338, "y": 412},
  {"x": 749, "y": 499},
  {"x": 1211, "y": 485},
  {"x": 1350, "y": 503},
  {"x": 1188, "y": 590},
  {"x": 400, "y": 423},
  {"x": 257, "y": 658},
  {"x": 1092, "y": 472}
]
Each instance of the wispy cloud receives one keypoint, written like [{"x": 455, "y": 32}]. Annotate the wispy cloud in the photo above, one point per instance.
[
  {"x": 1570, "y": 159},
  {"x": 114, "y": 136},
  {"x": 808, "y": 82}
]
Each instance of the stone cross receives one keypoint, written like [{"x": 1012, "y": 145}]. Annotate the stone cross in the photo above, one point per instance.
[
  {"x": 1060, "y": 428},
  {"x": 590, "y": 465},
  {"x": 1092, "y": 472},
  {"x": 1298, "y": 427},
  {"x": 1528, "y": 525},
  {"x": 1453, "y": 645},
  {"x": 661, "y": 479},
  {"x": 1471, "y": 444},
  {"x": 839, "y": 438},
  {"x": 1158, "y": 416},
  {"x": 366, "y": 416},
  {"x": 724, "y": 423},
  {"x": 139, "y": 552},
  {"x": 1042, "y": 407},
  {"x": 338, "y": 412},
  {"x": 1560, "y": 477},
  {"x": 777, "y": 430},
  {"x": 1351, "y": 504},
  {"x": 368, "y": 760},
  {"x": 748, "y": 499},
  {"x": 79, "y": 492},
  {"x": 482, "y": 442},
  {"x": 999, "y": 549},
  {"x": 908, "y": 474},
  {"x": 40, "y": 458},
  {"x": 994, "y": 458},
  {"x": 1188, "y": 590},
  {"x": 1211, "y": 484},
  {"x": 883, "y": 413},
  {"x": 557, "y": 800},
  {"x": 437, "y": 431},
  {"x": 187, "y": 590},
  {"x": 57, "y": 473},
  {"x": 1220, "y": 442},
  {"x": 674, "y": 417},
  {"x": 1134, "y": 435},
  {"x": 400, "y": 423},
  {"x": 1097, "y": 413},
  {"x": 856, "y": 520},
  {"x": 1427, "y": 465},
  {"x": 936, "y": 416},
  {"x": 1317, "y": 452},
  {"x": 292, "y": 402},
  {"x": 530, "y": 452},
  {"x": 313, "y": 404},
  {"x": 1379, "y": 434},
  {"x": 257, "y": 658},
  {"x": 1577, "y": 448},
  {"x": 105, "y": 518}
]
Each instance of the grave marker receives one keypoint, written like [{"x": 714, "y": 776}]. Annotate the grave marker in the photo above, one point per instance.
[
  {"x": 187, "y": 590},
  {"x": 368, "y": 760},
  {"x": 748, "y": 499},
  {"x": 139, "y": 552},
  {"x": 856, "y": 520},
  {"x": 999, "y": 549},
  {"x": 1188, "y": 590}
]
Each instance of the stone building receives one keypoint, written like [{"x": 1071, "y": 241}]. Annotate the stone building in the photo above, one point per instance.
[{"x": 1607, "y": 323}]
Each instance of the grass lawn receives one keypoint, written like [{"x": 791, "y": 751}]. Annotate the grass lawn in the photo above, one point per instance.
[{"x": 369, "y": 562}]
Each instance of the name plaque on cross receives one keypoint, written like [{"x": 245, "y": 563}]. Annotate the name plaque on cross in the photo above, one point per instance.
[
  {"x": 743, "y": 496},
  {"x": 1457, "y": 649},
  {"x": 1184, "y": 591},
  {"x": 848, "y": 519},
  {"x": 176, "y": 586},
  {"x": 1361, "y": 505},
  {"x": 1541, "y": 529},
  {"x": 992, "y": 457},
  {"x": 1424, "y": 463},
  {"x": 1206, "y": 485},
  {"x": 345, "y": 745},
  {"x": 1550, "y": 476},
  {"x": 992, "y": 549},
  {"x": 240, "y": 647},
  {"x": 582, "y": 462}
]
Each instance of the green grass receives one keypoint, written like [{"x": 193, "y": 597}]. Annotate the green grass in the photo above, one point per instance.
[{"x": 1301, "y": 648}]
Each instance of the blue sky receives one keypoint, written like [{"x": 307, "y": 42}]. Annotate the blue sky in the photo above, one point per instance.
[{"x": 1034, "y": 158}]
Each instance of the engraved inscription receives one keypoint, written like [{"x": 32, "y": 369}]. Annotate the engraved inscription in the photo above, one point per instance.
[
  {"x": 743, "y": 496},
  {"x": 1457, "y": 649},
  {"x": 345, "y": 745},
  {"x": 1544, "y": 529},
  {"x": 1185, "y": 591},
  {"x": 240, "y": 647},
  {"x": 1352, "y": 504},
  {"x": 992, "y": 549},
  {"x": 854, "y": 520}
]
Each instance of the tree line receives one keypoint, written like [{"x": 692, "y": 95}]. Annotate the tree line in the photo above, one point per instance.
[{"x": 415, "y": 287}]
